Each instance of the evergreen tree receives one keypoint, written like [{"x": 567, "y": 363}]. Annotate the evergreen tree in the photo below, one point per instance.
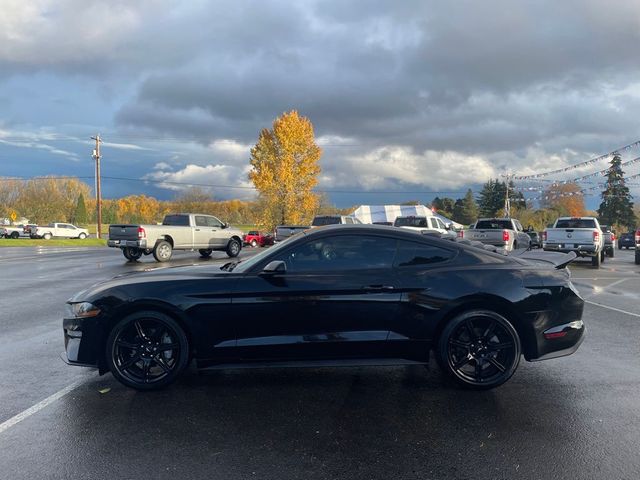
[
  {"x": 80, "y": 216},
  {"x": 443, "y": 206},
  {"x": 616, "y": 207},
  {"x": 465, "y": 210},
  {"x": 491, "y": 198}
]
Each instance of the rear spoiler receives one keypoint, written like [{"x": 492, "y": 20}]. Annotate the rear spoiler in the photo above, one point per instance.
[{"x": 557, "y": 259}]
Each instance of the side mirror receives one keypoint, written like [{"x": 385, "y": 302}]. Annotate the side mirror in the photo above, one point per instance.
[
  {"x": 276, "y": 266},
  {"x": 447, "y": 227}
]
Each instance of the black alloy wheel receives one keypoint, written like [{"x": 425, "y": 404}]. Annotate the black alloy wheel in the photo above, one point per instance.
[
  {"x": 131, "y": 253},
  {"x": 233, "y": 248},
  {"x": 147, "y": 350},
  {"x": 205, "y": 252},
  {"x": 479, "y": 349}
]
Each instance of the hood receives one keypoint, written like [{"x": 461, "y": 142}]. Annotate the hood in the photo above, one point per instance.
[{"x": 162, "y": 274}]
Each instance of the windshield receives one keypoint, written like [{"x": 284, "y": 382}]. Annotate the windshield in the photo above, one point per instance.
[
  {"x": 320, "y": 221},
  {"x": 246, "y": 265},
  {"x": 576, "y": 223},
  {"x": 493, "y": 225},
  {"x": 411, "y": 222}
]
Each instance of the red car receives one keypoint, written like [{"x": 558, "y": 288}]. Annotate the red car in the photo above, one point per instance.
[{"x": 257, "y": 239}]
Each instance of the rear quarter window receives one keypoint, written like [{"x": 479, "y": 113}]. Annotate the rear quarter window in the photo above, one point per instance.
[{"x": 412, "y": 254}]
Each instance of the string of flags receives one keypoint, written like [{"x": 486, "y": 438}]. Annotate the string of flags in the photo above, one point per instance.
[{"x": 578, "y": 165}]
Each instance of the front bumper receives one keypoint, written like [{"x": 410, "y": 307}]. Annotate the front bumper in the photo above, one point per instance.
[{"x": 82, "y": 341}]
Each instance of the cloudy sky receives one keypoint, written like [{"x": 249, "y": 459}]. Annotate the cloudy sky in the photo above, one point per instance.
[{"x": 407, "y": 98}]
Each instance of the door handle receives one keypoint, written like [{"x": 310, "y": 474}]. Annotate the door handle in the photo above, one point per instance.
[{"x": 378, "y": 288}]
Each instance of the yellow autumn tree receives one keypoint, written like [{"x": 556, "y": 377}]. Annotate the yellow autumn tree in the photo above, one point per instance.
[
  {"x": 284, "y": 170},
  {"x": 566, "y": 198}
]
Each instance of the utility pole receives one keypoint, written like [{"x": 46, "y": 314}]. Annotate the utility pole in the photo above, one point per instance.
[
  {"x": 507, "y": 200},
  {"x": 96, "y": 155}
]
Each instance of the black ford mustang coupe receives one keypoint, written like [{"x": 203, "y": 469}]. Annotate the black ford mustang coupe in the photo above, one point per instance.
[{"x": 336, "y": 295}]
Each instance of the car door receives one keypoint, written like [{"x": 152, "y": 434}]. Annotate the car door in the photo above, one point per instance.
[
  {"x": 202, "y": 232},
  {"x": 424, "y": 279},
  {"x": 335, "y": 300}
]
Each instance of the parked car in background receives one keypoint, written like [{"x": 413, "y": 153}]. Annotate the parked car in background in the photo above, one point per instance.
[
  {"x": 340, "y": 295},
  {"x": 29, "y": 230},
  {"x": 536, "y": 239},
  {"x": 14, "y": 232},
  {"x": 423, "y": 224},
  {"x": 504, "y": 233},
  {"x": 256, "y": 238},
  {"x": 180, "y": 231},
  {"x": 581, "y": 235},
  {"x": 283, "y": 232},
  {"x": 637, "y": 239},
  {"x": 322, "y": 220},
  {"x": 59, "y": 230},
  {"x": 609, "y": 240},
  {"x": 627, "y": 240}
]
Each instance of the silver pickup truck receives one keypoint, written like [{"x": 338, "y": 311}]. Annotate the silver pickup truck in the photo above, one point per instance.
[
  {"x": 505, "y": 233},
  {"x": 182, "y": 231},
  {"x": 581, "y": 235}
]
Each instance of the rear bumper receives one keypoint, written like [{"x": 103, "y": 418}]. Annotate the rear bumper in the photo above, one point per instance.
[
  {"x": 581, "y": 250},
  {"x": 142, "y": 243}
]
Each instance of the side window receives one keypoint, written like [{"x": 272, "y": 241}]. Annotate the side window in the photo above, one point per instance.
[
  {"x": 518, "y": 225},
  {"x": 201, "y": 221},
  {"x": 412, "y": 254},
  {"x": 348, "y": 220},
  {"x": 213, "y": 222},
  {"x": 434, "y": 223},
  {"x": 340, "y": 253},
  {"x": 441, "y": 224}
]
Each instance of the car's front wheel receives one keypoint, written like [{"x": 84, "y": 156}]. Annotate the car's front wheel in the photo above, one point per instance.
[
  {"x": 479, "y": 349},
  {"x": 82, "y": 236},
  {"x": 147, "y": 350},
  {"x": 233, "y": 248}
]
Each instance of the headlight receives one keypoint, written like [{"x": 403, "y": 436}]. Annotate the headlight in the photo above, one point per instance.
[{"x": 83, "y": 310}]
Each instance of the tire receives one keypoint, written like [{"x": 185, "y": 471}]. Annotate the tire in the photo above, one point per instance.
[
  {"x": 637, "y": 257},
  {"x": 596, "y": 260},
  {"x": 611, "y": 252},
  {"x": 620, "y": 247},
  {"x": 82, "y": 236},
  {"x": 14, "y": 235},
  {"x": 205, "y": 252},
  {"x": 131, "y": 253},
  {"x": 254, "y": 244},
  {"x": 147, "y": 350},
  {"x": 47, "y": 236},
  {"x": 479, "y": 349},
  {"x": 233, "y": 248},
  {"x": 162, "y": 251},
  {"x": 603, "y": 256}
]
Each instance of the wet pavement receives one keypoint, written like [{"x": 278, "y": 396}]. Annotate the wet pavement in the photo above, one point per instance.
[{"x": 573, "y": 417}]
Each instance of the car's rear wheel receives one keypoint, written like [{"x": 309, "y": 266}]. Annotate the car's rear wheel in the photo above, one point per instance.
[
  {"x": 15, "y": 235},
  {"x": 233, "y": 248},
  {"x": 147, "y": 350},
  {"x": 479, "y": 349},
  {"x": 162, "y": 251},
  {"x": 132, "y": 253},
  {"x": 205, "y": 252},
  {"x": 637, "y": 256},
  {"x": 596, "y": 260},
  {"x": 612, "y": 252}
]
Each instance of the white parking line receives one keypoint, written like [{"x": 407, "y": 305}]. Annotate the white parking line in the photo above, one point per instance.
[
  {"x": 612, "y": 308},
  {"x": 38, "y": 406}
]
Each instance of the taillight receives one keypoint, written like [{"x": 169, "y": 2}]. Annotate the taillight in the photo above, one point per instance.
[
  {"x": 544, "y": 236},
  {"x": 638, "y": 236},
  {"x": 596, "y": 236},
  {"x": 505, "y": 235},
  {"x": 461, "y": 234},
  {"x": 613, "y": 237},
  {"x": 141, "y": 232}
]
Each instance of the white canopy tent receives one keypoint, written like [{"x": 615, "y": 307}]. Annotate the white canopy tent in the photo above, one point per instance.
[{"x": 388, "y": 213}]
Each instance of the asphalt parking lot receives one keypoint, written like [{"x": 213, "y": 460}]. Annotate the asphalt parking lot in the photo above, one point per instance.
[{"x": 574, "y": 417}]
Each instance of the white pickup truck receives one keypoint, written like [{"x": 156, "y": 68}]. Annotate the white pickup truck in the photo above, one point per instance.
[
  {"x": 581, "y": 235},
  {"x": 182, "y": 231},
  {"x": 505, "y": 233},
  {"x": 59, "y": 230}
]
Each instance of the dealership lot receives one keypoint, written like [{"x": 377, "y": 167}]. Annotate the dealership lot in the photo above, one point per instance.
[{"x": 575, "y": 417}]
